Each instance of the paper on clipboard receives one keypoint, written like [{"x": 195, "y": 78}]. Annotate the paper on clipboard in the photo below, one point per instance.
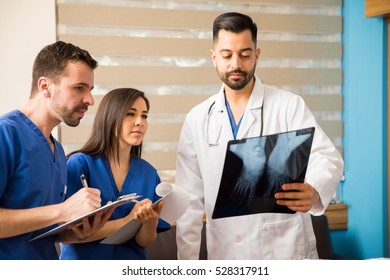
[
  {"x": 120, "y": 201},
  {"x": 175, "y": 203}
]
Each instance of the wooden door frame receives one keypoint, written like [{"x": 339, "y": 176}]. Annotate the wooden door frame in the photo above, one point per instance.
[{"x": 381, "y": 8}]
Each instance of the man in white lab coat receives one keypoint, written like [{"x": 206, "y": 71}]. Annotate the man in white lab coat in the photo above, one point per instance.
[{"x": 245, "y": 107}]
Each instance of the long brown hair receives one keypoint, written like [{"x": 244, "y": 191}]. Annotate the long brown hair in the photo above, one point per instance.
[{"x": 107, "y": 126}]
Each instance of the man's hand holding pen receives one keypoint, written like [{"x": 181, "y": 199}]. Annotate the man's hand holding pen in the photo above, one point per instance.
[{"x": 84, "y": 201}]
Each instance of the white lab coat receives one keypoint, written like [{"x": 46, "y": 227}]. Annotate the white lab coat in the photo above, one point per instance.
[{"x": 199, "y": 168}]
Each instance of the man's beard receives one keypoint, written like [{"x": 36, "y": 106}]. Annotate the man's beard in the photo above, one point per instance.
[
  {"x": 236, "y": 84},
  {"x": 67, "y": 115},
  {"x": 73, "y": 122}
]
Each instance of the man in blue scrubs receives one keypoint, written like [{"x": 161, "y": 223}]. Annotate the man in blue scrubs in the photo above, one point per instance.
[{"x": 32, "y": 162}]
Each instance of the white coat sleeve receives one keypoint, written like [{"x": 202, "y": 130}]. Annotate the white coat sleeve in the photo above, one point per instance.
[
  {"x": 326, "y": 166},
  {"x": 189, "y": 226}
]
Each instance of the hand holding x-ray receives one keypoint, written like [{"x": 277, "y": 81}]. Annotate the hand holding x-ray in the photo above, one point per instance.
[
  {"x": 255, "y": 164},
  {"x": 256, "y": 168}
]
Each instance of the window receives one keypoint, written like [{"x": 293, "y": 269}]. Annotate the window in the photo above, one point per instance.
[{"x": 162, "y": 48}]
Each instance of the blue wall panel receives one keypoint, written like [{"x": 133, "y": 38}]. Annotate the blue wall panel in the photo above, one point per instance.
[{"x": 365, "y": 132}]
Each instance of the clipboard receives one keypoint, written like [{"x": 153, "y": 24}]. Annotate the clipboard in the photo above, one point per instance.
[
  {"x": 126, "y": 232},
  {"x": 256, "y": 168},
  {"x": 175, "y": 203},
  {"x": 120, "y": 201}
]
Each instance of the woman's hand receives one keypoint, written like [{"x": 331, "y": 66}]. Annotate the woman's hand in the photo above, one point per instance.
[{"x": 147, "y": 215}]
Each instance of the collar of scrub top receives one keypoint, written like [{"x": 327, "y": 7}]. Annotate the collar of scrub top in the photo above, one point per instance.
[
  {"x": 213, "y": 133},
  {"x": 233, "y": 124}
]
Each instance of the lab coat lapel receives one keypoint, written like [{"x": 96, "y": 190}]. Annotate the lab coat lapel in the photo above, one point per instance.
[
  {"x": 252, "y": 112},
  {"x": 223, "y": 118}
]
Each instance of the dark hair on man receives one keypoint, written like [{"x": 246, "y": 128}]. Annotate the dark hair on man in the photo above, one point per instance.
[
  {"x": 236, "y": 23},
  {"x": 107, "y": 126},
  {"x": 52, "y": 60}
]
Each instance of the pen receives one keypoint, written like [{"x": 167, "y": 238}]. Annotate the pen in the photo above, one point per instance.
[{"x": 83, "y": 181}]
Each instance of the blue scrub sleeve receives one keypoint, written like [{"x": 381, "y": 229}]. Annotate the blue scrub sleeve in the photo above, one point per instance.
[{"x": 75, "y": 169}]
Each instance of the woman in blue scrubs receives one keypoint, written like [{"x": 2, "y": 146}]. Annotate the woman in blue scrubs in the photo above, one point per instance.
[{"x": 111, "y": 161}]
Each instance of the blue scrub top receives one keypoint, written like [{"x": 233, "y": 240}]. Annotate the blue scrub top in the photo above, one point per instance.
[
  {"x": 142, "y": 179},
  {"x": 31, "y": 176},
  {"x": 235, "y": 127}
]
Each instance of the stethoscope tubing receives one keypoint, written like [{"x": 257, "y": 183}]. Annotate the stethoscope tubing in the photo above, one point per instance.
[{"x": 208, "y": 121}]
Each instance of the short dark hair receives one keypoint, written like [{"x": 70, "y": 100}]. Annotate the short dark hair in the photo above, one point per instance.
[
  {"x": 52, "y": 60},
  {"x": 236, "y": 23}
]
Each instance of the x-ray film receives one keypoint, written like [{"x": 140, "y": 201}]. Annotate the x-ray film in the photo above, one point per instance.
[{"x": 256, "y": 168}]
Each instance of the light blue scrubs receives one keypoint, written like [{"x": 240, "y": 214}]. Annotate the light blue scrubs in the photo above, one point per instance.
[
  {"x": 142, "y": 179},
  {"x": 31, "y": 176}
]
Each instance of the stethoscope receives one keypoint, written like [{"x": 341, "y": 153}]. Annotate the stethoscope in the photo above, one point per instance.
[{"x": 212, "y": 143}]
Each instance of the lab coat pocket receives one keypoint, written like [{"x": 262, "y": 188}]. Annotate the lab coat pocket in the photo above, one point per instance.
[{"x": 283, "y": 240}]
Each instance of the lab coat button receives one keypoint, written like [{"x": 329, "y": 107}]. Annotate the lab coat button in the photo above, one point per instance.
[{"x": 238, "y": 239}]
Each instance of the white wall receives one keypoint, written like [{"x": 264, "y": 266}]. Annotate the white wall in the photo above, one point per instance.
[{"x": 25, "y": 27}]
